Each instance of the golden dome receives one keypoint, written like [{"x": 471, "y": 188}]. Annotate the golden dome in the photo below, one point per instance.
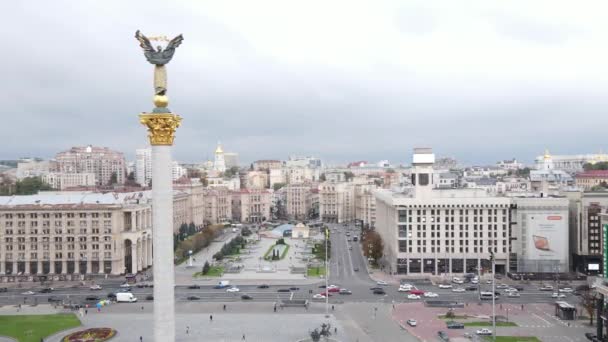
[
  {"x": 219, "y": 149},
  {"x": 547, "y": 155}
]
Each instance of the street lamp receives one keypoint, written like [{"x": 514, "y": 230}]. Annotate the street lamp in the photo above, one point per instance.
[{"x": 493, "y": 297}]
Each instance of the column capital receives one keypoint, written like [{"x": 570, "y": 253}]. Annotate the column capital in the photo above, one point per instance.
[{"x": 161, "y": 127}]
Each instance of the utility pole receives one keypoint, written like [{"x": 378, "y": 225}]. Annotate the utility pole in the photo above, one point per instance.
[
  {"x": 493, "y": 297},
  {"x": 326, "y": 274}
]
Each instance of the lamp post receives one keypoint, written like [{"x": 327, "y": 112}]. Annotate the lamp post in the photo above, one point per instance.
[
  {"x": 493, "y": 297},
  {"x": 326, "y": 274}
]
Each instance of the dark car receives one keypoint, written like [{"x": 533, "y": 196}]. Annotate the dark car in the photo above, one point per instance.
[
  {"x": 246, "y": 297},
  {"x": 283, "y": 290},
  {"x": 141, "y": 285},
  {"x": 443, "y": 336},
  {"x": 294, "y": 288},
  {"x": 590, "y": 336},
  {"x": 356, "y": 269},
  {"x": 92, "y": 298},
  {"x": 375, "y": 288},
  {"x": 321, "y": 286},
  {"x": 454, "y": 325},
  {"x": 379, "y": 292},
  {"x": 53, "y": 299},
  {"x": 263, "y": 286},
  {"x": 112, "y": 295},
  {"x": 519, "y": 288},
  {"x": 149, "y": 297},
  {"x": 3, "y": 289},
  {"x": 471, "y": 288},
  {"x": 192, "y": 287},
  {"x": 193, "y": 297},
  {"x": 46, "y": 290}
]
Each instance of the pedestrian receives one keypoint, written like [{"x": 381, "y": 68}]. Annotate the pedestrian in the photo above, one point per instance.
[
  {"x": 332, "y": 308},
  {"x": 522, "y": 307},
  {"x": 142, "y": 308},
  {"x": 275, "y": 308},
  {"x": 210, "y": 318},
  {"x": 336, "y": 331},
  {"x": 243, "y": 337},
  {"x": 141, "y": 338},
  {"x": 187, "y": 330},
  {"x": 224, "y": 307},
  {"x": 86, "y": 312}
]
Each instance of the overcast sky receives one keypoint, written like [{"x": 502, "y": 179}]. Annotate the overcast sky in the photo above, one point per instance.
[{"x": 342, "y": 80}]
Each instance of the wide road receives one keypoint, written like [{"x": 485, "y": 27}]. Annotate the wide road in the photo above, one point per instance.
[{"x": 347, "y": 270}]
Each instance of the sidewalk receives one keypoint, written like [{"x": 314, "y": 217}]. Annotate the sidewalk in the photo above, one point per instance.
[{"x": 183, "y": 273}]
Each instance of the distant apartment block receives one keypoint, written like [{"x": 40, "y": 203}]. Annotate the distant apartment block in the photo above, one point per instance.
[{"x": 101, "y": 161}]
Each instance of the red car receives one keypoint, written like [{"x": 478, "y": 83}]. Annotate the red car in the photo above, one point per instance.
[
  {"x": 333, "y": 289},
  {"x": 326, "y": 294},
  {"x": 417, "y": 292}
]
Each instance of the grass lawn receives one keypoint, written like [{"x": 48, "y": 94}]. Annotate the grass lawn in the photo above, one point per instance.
[
  {"x": 489, "y": 324},
  {"x": 316, "y": 272},
  {"x": 32, "y": 328},
  {"x": 512, "y": 339},
  {"x": 214, "y": 271},
  {"x": 268, "y": 255}
]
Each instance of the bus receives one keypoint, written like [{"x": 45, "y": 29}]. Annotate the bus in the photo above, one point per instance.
[{"x": 486, "y": 295}]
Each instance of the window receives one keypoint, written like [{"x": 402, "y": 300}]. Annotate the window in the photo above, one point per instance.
[{"x": 402, "y": 246}]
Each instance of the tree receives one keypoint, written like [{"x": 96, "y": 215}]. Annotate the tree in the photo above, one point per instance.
[
  {"x": 206, "y": 268},
  {"x": 194, "y": 173},
  {"x": 373, "y": 246},
  {"x": 589, "y": 300},
  {"x": 349, "y": 175},
  {"x": 450, "y": 314},
  {"x": 231, "y": 172},
  {"x": 525, "y": 172},
  {"x": 390, "y": 170},
  {"x": 595, "y": 166},
  {"x": 277, "y": 186},
  {"x": 322, "y": 178},
  {"x": 113, "y": 179},
  {"x": 30, "y": 186}
]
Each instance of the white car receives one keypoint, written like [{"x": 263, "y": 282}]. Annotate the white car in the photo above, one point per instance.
[
  {"x": 558, "y": 295},
  {"x": 125, "y": 285},
  {"x": 445, "y": 286},
  {"x": 411, "y": 322},
  {"x": 502, "y": 286},
  {"x": 333, "y": 287},
  {"x": 511, "y": 289},
  {"x": 95, "y": 287},
  {"x": 28, "y": 293},
  {"x": 458, "y": 289},
  {"x": 513, "y": 294},
  {"x": 405, "y": 288},
  {"x": 475, "y": 281},
  {"x": 457, "y": 281},
  {"x": 413, "y": 296},
  {"x": 566, "y": 290},
  {"x": 318, "y": 296},
  {"x": 484, "y": 332},
  {"x": 381, "y": 282},
  {"x": 233, "y": 289},
  {"x": 489, "y": 281},
  {"x": 430, "y": 294}
]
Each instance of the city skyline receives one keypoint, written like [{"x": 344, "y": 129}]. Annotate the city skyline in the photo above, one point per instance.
[{"x": 372, "y": 87}]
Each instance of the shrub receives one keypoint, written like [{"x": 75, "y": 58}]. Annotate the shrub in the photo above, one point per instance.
[
  {"x": 450, "y": 314},
  {"x": 280, "y": 241},
  {"x": 206, "y": 267}
]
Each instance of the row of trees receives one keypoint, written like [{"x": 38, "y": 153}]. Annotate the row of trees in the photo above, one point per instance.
[
  {"x": 196, "y": 242},
  {"x": 231, "y": 247},
  {"x": 595, "y": 166},
  {"x": 372, "y": 245},
  {"x": 26, "y": 186}
]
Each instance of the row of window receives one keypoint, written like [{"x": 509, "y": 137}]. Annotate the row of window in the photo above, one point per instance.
[
  {"x": 454, "y": 250},
  {"x": 58, "y": 255},
  {"x": 56, "y": 215}
]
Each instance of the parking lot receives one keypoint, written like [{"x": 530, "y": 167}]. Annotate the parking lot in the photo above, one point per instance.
[{"x": 533, "y": 320}]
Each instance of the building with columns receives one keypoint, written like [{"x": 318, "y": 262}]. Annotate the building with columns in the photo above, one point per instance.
[
  {"x": 251, "y": 205},
  {"x": 298, "y": 201},
  {"x": 75, "y": 233},
  {"x": 217, "y": 204},
  {"x": 336, "y": 202}
]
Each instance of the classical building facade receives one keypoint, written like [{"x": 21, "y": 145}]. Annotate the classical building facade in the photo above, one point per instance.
[
  {"x": 570, "y": 163},
  {"x": 75, "y": 234},
  {"x": 588, "y": 179},
  {"x": 298, "y": 201},
  {"x": 218, "y": 205},
  {"x": 267, "y": 165},
  {"x": 101, "y": 161},
  {"x": 336, "y": 202},
  {"x": 62, "y": 181},
  {"x": 251, "y": 205}
]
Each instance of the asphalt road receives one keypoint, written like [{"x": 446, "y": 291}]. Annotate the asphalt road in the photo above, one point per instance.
[{"x": 343, "y": 263}]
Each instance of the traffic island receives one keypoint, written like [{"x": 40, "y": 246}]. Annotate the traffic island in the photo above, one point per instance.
[
  {"x": 32, "y": 328},
  {"x": 90, "y": 335}
]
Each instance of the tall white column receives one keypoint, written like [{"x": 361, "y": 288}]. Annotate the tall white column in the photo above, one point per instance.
[{"x": 162, "y": 233}]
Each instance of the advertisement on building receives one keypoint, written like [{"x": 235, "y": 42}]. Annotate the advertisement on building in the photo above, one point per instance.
[{"x": 548, "y": 237}]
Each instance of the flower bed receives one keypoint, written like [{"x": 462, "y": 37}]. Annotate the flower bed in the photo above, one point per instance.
[{"x": 90, "y": 335}]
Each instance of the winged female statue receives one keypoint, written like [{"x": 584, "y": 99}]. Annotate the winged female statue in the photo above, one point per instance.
[{"x": 159, "y": 58}]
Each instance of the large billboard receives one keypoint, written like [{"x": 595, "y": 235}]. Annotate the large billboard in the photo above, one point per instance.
[{"x": 547, "y": 236}]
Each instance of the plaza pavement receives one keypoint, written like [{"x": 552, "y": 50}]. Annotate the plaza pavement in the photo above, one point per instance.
[{"x": 534, "y": 320}]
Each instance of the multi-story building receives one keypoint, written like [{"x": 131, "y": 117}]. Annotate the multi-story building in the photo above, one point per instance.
[
  {"x": 251, "y": 205},
  {"x": 143, "y": 166},
  {"x": 570, "y": 163},
  {"x": 431, "y": 231},
  {"x": 106, "y": 164},
  {"x": 177, "y": 171},
  {"x": 539, "y": 234},
  {"x": 586, "y": 243},
  {"x": 267, "y": 164},
  {"x": 306, "y": 162},
  {"x": 336, "y": 202},
  {"x": 256, "y": 179},
  {"x": 195, "y": 205},
  {"x": 218, "y": 205},
  {"x": 276, "y": 176},
  {"x": 298, "y": 201},
  {"x": 62, "y": 181},
  {"x": 512, "y": 164},
  {"x": 34, "y": 168},
  {"x": 588, "y": 179},
  {"x": 365, "y": 204},
  {"x": 72, "y": 233}
]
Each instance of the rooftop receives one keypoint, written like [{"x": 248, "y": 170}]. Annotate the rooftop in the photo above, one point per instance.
[{"x": 593, "y": 174}]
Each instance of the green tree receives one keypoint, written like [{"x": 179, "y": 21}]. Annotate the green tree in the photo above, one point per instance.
[
  {"x": 277, "y": 186},
  {"x": 231, "y": 172},
  {"x": 525, "y": 172},
  {"x": 113, "y": 179},
  {"x": 206, "y": 268},
  {"x": 31, "y": 186},
  {"x": 349, "y": 175},
  {"x": 322, "y": 178},
  {"x": 595, "y": 166},
  {"x": 373, "y": 247}
]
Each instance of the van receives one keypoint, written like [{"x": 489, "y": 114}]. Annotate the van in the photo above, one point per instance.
[
  {"x": 125, "y": 297},
  {"x": 222, "y": 284}
]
